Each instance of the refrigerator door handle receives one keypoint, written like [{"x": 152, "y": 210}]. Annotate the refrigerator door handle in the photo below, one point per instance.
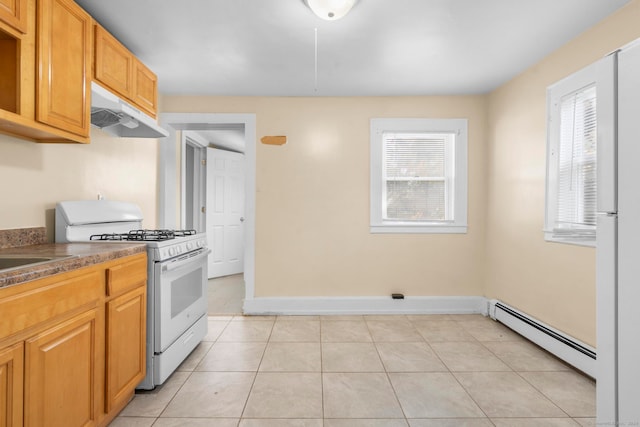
[{"x": 607, "y": 122}]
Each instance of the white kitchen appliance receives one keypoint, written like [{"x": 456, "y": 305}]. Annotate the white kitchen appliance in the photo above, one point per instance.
[
  {"x": 177, "y": 276},
  {"x": 119, "y": 118},
  {"x": 618, "y": 238}
]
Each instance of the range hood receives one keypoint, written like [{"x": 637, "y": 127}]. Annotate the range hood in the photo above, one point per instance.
[{"x": 119, "y": 118}]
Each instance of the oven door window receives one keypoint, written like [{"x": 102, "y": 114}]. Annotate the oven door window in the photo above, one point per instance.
[
  {"x": 180, "y": 299},
  {"x": 185, "y": 291}
]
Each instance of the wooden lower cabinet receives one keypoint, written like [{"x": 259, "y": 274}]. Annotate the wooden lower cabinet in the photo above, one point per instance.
[
  {"x": 70, "y": 355},
  {"x": 11, "y": 374},
  {"x": 61, "y": 373},
  {"x": 125, "y": 345}
]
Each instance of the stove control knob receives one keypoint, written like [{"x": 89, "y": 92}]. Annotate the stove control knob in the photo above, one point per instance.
[
  {"x": 179, "y": 249},
  {"x": 172, "y": 251},
  {"x": 190, "y": 246}
]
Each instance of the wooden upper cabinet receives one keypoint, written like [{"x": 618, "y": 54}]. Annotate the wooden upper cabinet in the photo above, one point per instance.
[
  {"x": 14, "y": 13},
  {"x": 145, "y": 88},
  {"x": 114, "y": 63},
  {"x": 64, "y": 66},
  {"x": 117, "y": 69}
]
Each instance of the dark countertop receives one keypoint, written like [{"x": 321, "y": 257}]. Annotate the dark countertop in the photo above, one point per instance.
[{"x": 84, "y": 255}]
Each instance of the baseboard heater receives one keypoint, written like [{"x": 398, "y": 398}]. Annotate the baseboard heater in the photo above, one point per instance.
[{"x": 577, "y": 354}]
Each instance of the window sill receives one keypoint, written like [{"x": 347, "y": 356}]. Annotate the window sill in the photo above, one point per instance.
[
  {"x": 549, "y": 237},
  {"x": 417, "y": 229}
]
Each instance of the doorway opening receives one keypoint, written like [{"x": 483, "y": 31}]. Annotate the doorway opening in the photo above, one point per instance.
[
  {"x": 193, "y": 203},
  {"x": 207, "y": 169}
]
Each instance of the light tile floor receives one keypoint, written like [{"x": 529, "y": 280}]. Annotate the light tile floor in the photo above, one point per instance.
[
  {"x": 225, "y": 295},
  {"x": 365, "y": 371}
]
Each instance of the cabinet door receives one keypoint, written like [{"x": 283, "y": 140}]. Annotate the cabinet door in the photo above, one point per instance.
[
  {"x": 11, "y": 380},
  {"x": 145, "y": 89},
  {"x": 113, "y": 63},
  {"x": 60, "y": 375},
  {"x": 126, "y": 344},
  {"x": 14, "y": 13},
  {"x": 64, "y": 61}
]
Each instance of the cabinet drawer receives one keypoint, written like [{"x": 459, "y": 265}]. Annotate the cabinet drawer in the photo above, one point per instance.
[
  {"x": 45, "y": 299},
  {"x": 127, "y": 275}
]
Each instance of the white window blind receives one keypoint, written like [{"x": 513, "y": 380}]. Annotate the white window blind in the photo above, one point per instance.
[
  {"x": 576, "y": 192},
  {"x": 418, "y": 175},
  {"x": 415, "y": 172},
  {"x": 571, "y": 191}
]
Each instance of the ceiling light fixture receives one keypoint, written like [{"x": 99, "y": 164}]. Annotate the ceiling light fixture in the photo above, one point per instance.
[{"x": 330, "y": 10}]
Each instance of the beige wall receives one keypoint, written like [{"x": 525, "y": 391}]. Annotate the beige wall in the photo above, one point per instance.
[
  {"x": 312, "y": 203},
  {"x": 553, "y": 282},
  {"x": 312, "y": 235},
  {"x": 33, "y": 177}
]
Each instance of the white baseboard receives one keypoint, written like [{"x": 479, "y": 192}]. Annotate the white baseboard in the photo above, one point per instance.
[{"x": 365, "y": 305}]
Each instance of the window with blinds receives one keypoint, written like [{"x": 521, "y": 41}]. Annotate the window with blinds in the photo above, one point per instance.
[
  {"x": 576, "y": 196},
  {"x": 572, "y": 159},
  {"x": 418, "y": 176},
  {"x": 417, "y": 172}
]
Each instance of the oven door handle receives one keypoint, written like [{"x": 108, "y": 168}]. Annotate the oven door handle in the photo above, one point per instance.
[{"x": 184, "y": 261}]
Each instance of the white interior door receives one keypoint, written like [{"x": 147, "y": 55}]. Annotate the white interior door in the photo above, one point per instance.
[{"x": 225, "y": 212}]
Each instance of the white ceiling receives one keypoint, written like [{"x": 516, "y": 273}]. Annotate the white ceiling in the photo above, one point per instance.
[{"x": 383, "y": 47}]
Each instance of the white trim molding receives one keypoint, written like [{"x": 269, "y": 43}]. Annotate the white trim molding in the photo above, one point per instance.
[
  {"x": 365, "y": 305},
  {"x": 167, "y": 198},
  {"x": 455, "y": 171}
]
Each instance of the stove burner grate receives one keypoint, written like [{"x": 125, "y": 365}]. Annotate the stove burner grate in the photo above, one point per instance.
[{"x": 144, "y": 235}]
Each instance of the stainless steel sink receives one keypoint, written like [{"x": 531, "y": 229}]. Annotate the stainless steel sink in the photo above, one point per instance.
[{"x": 10, "y": 262}]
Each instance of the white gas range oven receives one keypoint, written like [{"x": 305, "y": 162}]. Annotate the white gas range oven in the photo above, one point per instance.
[{"x": 177, "y": 276}]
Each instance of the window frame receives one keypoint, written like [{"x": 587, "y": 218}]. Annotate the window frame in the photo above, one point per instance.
[
  {"x": 581, "y": 80},
  {"x": 458, "y": 203}
]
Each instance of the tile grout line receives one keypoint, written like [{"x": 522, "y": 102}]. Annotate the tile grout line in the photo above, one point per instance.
[
  {"x": 190, "y": 373},
  {"x": 463, "y": 387},
  {"x": 255, "y": 377},
  {"x": 450, "y": 372},
  {"x": 512, "y": 370},
  {"x": 395, "y": 393},
  {"x": 543, "y": 394}
]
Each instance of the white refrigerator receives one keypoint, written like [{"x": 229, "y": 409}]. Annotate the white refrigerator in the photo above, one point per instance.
[{"x": 618, "y": 238}]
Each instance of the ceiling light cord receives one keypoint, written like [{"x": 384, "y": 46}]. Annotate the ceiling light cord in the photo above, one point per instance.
[{"x": 315, "y": 77}]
